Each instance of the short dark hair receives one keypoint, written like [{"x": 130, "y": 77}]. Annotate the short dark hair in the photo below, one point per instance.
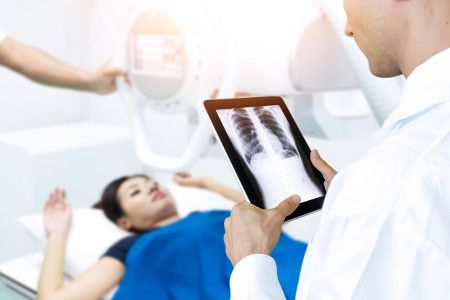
[{"x": 109, "y": 201}]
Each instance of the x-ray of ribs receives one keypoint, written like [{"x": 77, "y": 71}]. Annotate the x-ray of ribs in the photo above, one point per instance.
[
  {"x": 269, "y": 121},
  {"x": 246, "y": 131}
]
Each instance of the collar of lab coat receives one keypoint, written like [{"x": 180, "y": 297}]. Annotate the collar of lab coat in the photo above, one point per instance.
[{"x": 427, "y": 86}]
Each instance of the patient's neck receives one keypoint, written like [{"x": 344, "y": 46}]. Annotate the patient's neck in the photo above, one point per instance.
[{"x": 167, "y": 221}]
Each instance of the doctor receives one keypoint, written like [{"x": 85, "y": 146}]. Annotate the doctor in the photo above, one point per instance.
[
  {"x": 45, "y": 69},
  {"x": 385, "y": 227}
]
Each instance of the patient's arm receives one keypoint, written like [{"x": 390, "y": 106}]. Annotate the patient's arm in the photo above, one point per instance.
[
  {"x": 224, "y": 190},
  {"x": 94, "y": 282},
  {"x": 186, "y": 179}
]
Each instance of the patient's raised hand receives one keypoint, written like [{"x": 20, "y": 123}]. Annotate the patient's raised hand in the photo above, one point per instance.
[
  {"x": 57, "y": 213},
  {"x": 186, "y": 179}
]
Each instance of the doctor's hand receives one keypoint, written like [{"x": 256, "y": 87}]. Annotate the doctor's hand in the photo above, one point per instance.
[
  {"x": 57, "y": 213},
  {"x": 103, "y": 81},
  {"x": 327, "y": 172},
  {"x": 252, "y": 230}
]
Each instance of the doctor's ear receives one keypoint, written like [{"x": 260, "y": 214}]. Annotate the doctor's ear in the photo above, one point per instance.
[{"x": 124, "y": 223}]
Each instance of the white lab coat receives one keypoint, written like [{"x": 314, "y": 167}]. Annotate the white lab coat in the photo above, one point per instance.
[{"x": 385, "y": 227}]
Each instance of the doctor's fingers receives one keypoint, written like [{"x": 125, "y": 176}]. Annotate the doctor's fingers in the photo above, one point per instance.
[
  {"x": 226, "y": 224},
  {"x": 285, "y": 208},
  {"x": 226, "y": 236},
  {"x": 244, "y": 210},
  {"x": 327, "y": 171},
  {"x": 227, "y": 243}
]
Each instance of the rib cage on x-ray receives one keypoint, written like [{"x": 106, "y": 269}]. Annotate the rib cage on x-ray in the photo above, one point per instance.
[
  {"x": 248, "y": 136},
  {"x": 269, "y": 121},
  {"x": 246, "y": 132}
]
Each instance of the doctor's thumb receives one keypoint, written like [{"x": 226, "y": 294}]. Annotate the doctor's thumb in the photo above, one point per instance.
[{"x": 288, "y": 206}]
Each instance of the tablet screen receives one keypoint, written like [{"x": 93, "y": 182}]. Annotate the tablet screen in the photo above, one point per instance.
[{"x": 273, "y": 154}]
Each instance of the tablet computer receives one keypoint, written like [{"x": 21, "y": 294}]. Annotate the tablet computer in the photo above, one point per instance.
[{"x": 267, "y": 151}]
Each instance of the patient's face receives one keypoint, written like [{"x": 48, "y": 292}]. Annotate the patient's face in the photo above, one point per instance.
[{"x": 145, "y": 202}]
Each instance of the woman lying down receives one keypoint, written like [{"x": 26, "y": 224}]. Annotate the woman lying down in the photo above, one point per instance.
[{"x": 166, "y": 257}]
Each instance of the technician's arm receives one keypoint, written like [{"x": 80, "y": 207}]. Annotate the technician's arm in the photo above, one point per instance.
[
  {"x": 186, "y": 179},
  {"x": 45, "y": 69},
  {"x": 93, "y": 283}
]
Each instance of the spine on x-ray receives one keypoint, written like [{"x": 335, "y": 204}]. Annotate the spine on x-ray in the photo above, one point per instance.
[{"x": 246, "y": 132}]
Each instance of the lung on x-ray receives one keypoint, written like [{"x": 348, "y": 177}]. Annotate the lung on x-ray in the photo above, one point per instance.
[{"x": 262, "y": 137}]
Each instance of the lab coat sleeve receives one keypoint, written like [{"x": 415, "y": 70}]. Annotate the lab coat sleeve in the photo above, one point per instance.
[{"x": 255, "y": 277}]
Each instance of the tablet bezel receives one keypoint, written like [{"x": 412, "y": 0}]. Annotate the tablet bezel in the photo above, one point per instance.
[{"x": 241, "y": 170}]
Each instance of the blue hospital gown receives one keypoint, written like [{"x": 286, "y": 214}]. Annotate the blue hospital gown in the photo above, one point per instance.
[{"x": 187, "y": 260}]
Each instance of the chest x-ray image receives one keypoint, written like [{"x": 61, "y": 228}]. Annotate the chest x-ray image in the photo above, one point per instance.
[{"x": 263, "y": 139}]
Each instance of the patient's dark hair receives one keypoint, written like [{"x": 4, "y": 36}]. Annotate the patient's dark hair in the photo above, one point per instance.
[{"x": 109, "y": 201}]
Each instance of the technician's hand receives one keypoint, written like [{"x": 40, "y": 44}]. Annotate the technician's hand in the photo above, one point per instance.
[
  {"x": 103, "y": 81},
  {"x": 327, "y": 172},
  {"x": 252, "y": 230},
  {"x": 57, "y": 213},
  {"x": 186, "y": 179}
]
